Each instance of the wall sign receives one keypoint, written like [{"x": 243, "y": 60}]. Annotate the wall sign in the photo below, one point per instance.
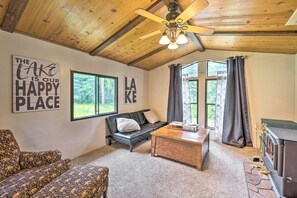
[
  {"x": 36, "y": 85},
  {"x": 130, "y": 90}
]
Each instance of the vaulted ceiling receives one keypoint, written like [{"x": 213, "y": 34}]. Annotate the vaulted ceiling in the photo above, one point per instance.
[{"x": 111, "y": 29}]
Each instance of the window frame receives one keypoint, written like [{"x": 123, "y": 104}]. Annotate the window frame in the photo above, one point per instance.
[{"x": 97, "y": 114}]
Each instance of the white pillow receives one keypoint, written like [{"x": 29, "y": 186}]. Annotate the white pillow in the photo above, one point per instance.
[
  {"x": 151, "y": 117},
  {"x": 127, "y": 125}
]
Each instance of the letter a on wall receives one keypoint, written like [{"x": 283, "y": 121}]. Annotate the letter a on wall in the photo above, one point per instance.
[
  {"x": 130, "y": 90},
  {"x": 36, "y": 85}
]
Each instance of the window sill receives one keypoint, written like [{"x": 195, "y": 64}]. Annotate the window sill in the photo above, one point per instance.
[{"x": 95, "y": 116}]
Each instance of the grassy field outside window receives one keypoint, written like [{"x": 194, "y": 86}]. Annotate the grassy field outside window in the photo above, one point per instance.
[{"x": 81, "y": 110}]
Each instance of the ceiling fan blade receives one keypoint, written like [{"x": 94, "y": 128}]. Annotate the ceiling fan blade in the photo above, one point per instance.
[
  {"x": 151, "y": 16},
  {"x": 151, "y": 34},
  {"x": 191, "y": 11},
  {"x": 197, "y": 29}
]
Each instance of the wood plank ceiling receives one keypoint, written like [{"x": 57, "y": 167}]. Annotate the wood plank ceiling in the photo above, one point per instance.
[{"x": 111, "y": 29}]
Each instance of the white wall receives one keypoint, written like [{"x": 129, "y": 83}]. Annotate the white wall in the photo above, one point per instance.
[
  {"x": 269, "y": 79},
  {"x": 53, "y": 129}
]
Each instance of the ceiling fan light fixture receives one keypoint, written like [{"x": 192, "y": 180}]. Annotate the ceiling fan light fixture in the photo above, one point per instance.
[
  {"x": 181, "y": 39},
  {"x": 173, "y": 45},
  {"x": 175, "y": 22},
  {"x": 164, "y": 39}
]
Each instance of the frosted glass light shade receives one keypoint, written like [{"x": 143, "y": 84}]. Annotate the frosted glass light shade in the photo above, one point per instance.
[
  {"x": 182, "y": 39},
  {"x": 173, "y": 45},
  {"x": 164, "y": 40}
]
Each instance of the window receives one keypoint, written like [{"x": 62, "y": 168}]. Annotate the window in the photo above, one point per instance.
[
  {"x": 209, "y": 75},
  {"x": 210, "y": 107},
  {"x": 193, "y": 85},
  {"x": 215, "y": 67},
  {"x": 190, "y": 70},
  {"x": 93, "y": 95},
  {"x": 107, "y": 102},
  {"x": 190, "y": 74}
]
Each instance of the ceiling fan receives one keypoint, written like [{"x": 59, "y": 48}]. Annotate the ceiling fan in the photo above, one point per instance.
[{"x": 175, "y": 29}]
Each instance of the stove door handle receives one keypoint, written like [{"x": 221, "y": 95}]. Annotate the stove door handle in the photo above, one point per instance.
[{"x": 280, "y": 156}]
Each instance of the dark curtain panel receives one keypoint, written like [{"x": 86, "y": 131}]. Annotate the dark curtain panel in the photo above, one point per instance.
[
  {"x": 236, "y": 129},
  {"x": 175, "y": 96}
]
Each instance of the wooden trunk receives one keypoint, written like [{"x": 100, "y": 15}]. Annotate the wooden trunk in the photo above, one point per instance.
[{"x": 176, "y": 144}]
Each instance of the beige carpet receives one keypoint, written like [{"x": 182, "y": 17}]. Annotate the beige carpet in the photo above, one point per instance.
[{"x": 138, "y": 175}]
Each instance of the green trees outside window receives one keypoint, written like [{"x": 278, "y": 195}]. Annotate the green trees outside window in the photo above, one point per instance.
[
  {"x": 84, "y": 95},
  {"x": 194, "y": 100},
  {"x": 211, "y": 95},
  {"x": 106, "y": 95},
  {"x": 213, "y": 67},
  {"x": 93, "y": 95},
  {"x": 191, "y": 70}
]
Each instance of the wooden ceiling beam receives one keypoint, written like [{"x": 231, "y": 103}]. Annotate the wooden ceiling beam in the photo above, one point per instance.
[
  {"x": 266, "y": 33},
  {"x": 13, "y": 15},
  {"x": 131, "y": 24},
  {"x": 147, "y": 55}
]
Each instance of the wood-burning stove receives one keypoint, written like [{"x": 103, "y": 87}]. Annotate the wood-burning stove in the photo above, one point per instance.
[{"x": 280, "y": 157}]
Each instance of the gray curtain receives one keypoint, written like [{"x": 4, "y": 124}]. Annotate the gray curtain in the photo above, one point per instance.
[
  {"x": 236, "y": 129},
  {"x": 175, "y": 96}
]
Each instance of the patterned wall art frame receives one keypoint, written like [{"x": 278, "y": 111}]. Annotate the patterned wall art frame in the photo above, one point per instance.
[{"x": 36, "y": 85}]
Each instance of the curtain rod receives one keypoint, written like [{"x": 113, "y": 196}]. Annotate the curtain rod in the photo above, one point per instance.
[
  {"x": 197, "y": 61},
  {"x": 221, "y": 60}
]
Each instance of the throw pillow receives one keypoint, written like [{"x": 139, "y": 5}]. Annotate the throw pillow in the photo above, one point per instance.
[
  {"x": 127, "y": 125},
  {"x": 151, "y": 117}
]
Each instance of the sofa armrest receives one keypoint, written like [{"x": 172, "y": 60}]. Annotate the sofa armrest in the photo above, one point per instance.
[{"x": 34, "y": 159}]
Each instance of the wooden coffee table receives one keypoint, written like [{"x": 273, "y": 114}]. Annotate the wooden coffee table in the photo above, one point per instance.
[{"x": 180, "y": 145}]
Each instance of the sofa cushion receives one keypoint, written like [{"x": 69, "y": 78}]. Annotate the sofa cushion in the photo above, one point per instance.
[
  {"x": 34, "y": 159},
  {"x": 142, "y": 119},
  {"x": 151, "y": 117},
  {"x": 132, "y": 135},
  {"x": 147, "y": 126},
  {"x": 127, "y": 125},
  {"x": 157, "y": 125},
  {"x": 112, "y": 122},
  {"x": 79, "y": 181},
  {"x": 154, "y": 126},
  {"x": 135, "y": 116},
  {"x": 25, "y": 183},
  {"x": 9, "y": 154},
  {"x": 139, "y": 116}
]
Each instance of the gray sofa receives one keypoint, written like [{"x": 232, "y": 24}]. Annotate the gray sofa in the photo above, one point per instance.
[{"x": 131, "y": 138}]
